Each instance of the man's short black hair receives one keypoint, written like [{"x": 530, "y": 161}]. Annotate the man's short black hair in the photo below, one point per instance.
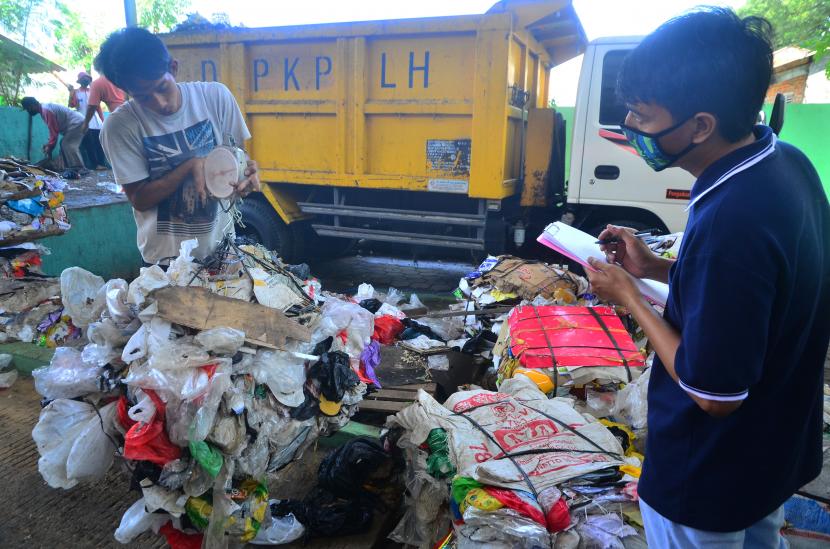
[
  {"x": 707, "y": 60},
  {"x": 132, "y": 54},
  {"x": 28, "y": 101}
]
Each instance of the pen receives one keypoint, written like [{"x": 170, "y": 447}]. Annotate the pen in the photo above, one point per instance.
[{"x": 639, "y": 234}]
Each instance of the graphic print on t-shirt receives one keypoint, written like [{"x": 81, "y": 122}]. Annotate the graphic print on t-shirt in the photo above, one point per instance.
[{"x": 182, "y": 213}]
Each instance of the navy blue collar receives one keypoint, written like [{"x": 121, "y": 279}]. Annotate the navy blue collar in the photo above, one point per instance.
[{"x": 717, "y": 171}]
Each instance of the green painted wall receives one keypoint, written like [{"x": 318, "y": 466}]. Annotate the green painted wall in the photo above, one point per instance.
[
  {"x": 14, "y": 124},
  {"x": 808, "y": 128},
  {"x": 102, "y": 240}
]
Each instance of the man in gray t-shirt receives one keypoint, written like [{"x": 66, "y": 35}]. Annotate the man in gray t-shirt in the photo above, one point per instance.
[{"x": 157, "y": 141}]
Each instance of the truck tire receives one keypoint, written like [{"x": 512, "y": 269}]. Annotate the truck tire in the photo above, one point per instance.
[{"x": 264, "y": 226}]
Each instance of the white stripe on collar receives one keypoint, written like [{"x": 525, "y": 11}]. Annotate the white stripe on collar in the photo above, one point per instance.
[{"x": 746, "y": 164}]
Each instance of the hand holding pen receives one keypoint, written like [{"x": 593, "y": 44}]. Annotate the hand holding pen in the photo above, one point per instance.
[{"x": 624, "y": 246}]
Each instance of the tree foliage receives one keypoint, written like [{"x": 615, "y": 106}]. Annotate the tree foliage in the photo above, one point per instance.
[
  {"x": 161, "y": 15},
  {"x": 803, "y": 23}
]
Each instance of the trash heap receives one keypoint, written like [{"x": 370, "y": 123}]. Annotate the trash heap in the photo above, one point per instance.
[
  {"x": 551, "y": 458},
  {"x": 200, "y": 381},
  {"x": 31, "y": 208}
]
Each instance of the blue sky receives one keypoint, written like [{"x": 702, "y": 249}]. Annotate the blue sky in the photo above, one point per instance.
[{"x": 599, "y": 18}]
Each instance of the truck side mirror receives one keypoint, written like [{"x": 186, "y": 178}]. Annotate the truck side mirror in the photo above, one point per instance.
[{"x": 776, "y": 117}]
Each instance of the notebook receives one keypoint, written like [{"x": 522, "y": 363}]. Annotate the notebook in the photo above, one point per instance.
[{"x": 579, "y": 246}]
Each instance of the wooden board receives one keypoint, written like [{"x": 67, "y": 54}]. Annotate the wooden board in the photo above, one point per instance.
[
  {"x": 394, "y": 399},
  {"x": 201, "y": 309}
]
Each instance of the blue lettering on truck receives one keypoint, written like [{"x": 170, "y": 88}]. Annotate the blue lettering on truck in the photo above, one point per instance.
[{"x": 323, "y": 67}]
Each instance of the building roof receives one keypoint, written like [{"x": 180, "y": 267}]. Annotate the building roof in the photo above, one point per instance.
[
  {"x": 30, "y": 62},
  {"x": 790, "y": 56}
]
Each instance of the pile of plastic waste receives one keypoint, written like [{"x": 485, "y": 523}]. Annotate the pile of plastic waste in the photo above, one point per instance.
[
  {"x": 199, "y": 416},
  {"x": 31, "y": 208},
  {"x": 551, "y": 455}
]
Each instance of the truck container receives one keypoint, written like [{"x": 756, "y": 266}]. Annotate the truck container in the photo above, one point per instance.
[{"x": 430, "y": 131}]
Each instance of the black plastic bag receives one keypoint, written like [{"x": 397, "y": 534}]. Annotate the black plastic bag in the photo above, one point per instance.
[
  {"x": 413, "y": 330},
  {"x": 335, "y": 374},
  {"x": 345, "y": 470},
  {"x": 372, "y": 305},
  {"x": 324, "y": 514}
]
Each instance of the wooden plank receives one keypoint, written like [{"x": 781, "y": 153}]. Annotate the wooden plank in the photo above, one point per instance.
[
  {"x": 428, "y": 387},
  {"x": 381, "y": 406},
  {"x": 201, "y": 309},
  {"x": 391, "y": 394}
]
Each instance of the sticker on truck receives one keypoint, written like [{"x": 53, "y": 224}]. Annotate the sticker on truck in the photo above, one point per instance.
[
  {"x": 448, "y": 186},
  {"x": 678, "y": 194},
  {"x": 449, "y": 156}
]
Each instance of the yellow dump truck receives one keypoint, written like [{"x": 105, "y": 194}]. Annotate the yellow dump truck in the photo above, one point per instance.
[{"x": 431, "y": 132}]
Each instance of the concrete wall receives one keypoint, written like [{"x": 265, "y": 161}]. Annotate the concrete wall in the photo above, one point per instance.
[
  {"x": 102, "y": 240},
  {"x": 14, "y": 124}
]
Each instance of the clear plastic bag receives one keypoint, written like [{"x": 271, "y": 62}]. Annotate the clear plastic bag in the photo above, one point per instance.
[
  {"x": 209, "y": 403},
  {"x": 364, "y": 291},
  {"x": 631, "y": 406},
  {"x": 338, "y": 316},
  {"x": 221, "y": 341},
  {"x": 136, "y": 520},
  {"x": 178, "y": 354},
  {"x": 82, "y": 296},
  {"x": 283, "y": 373},
  {"x": 67, "y": 376},
  {"x": 393, "y": 297}
]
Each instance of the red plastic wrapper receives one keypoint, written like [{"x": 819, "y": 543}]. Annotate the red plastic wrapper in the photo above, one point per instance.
[
  {"x": 548, "y": 336},
  {"x": 149, "y": 441},
  {"x": 558, "y": 517},
  {"x": 387, "y": 328},
  {"x": 121, "y": 409},
  {"x": 177, "y": 539}
]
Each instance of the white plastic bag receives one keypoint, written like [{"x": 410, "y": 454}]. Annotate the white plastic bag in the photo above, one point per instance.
[
  {"x": 393, "y": 297},
  {"x": 144, "y": 410},
  {"x": 631, "y": 406},
  {"x": 178, "y": 354},
  {"x": 151, "y": 278},
  {"x": 364, "y": 291},
  {"x": 283, "y": 373},
  {"x": 338, "y": 316},
  {"x": 67, "y": 376},
  {"x": 119, "y": 310},
  {"x": 59, "y": 425},
  {"x": 182, "y": 270},
  {"x": 93, "y": 450},
  {"x": 80, "y": 296},
  {"x": 136, "y": 521},
  {"x": 221, "y": 341},
  {"x": 278, "y": 530}
]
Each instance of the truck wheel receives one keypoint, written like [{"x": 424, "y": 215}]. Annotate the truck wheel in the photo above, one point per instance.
[{"x": 264, "y": 226}]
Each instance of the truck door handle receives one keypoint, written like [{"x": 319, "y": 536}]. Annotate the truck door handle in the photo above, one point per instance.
[{"x": 606, "y": 172}]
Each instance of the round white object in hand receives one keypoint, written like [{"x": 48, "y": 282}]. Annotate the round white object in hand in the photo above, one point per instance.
[{"x": 224, "y": 168}]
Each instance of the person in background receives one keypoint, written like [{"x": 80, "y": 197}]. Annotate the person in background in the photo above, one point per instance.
[
  {"x": 91, "y": 144},
  {"x": 102, "y": 90},
  {"x": 61, "y": 121},
  {"x": 157, "y": 141},
  {"x": 740, "y": 349}
]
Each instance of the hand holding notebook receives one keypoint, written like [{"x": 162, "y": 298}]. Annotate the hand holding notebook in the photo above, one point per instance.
[{"x": 579, "y": 246}]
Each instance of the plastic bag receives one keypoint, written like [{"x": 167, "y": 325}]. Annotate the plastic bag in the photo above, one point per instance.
[
  {"x": 364, "y": 291},
  {"x": 278, "y": 530},
  {"x": 177, "y": 539},
  {"x": 283, "y": 373},
  {"x": 92, "y": 452},
  {"x": 136, "y": 520},
  {"x": 390, "y": 310},
  {"x": 415, "y": 303},
  {"x": 82, "y": 296},
  {"x": 143, "y": 411},
  {"x": 445, "y": 328},
  {"x": 369, "y": 360},
  {"x": 393, "y": 297},
  {"x": 180, "y": 353},
  {"x": 115, "y": 292},
  {"x": 182, "y": 269},
  {"x": 221, "y": 341},
  {"x": 67, "y": 376},
  {"x": 151, "y": 278},
  {"x": 324, "y": 514},
  {"x": 350, "y": 321},
  {"x": 335, "y": 374},
  {"x": 207, "y": 456},
  {"x": 344, "y": 470},
  {"x": 7, "y": 378},
  {"x": 387, "y": 328},
  {"x": 149, "y": 441},
  {"x": 59, "y": 425},
  {"x": 631, "y": 406}
]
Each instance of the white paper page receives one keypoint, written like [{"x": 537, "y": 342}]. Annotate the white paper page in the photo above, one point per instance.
[{"x": 579, "y": 246}]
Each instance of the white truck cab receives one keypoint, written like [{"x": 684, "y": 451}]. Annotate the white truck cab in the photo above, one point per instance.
[{"x": 609, "y": 182}]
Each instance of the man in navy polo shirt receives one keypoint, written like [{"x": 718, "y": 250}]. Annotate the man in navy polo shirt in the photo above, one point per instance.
[{"x": 735, "y": 398}]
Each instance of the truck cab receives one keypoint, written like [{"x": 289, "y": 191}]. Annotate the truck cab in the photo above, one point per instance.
[{"x": 608, "y": 181}]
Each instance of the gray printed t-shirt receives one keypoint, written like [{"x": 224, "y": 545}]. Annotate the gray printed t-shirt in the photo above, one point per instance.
[{"x": 141, "y": 144}]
